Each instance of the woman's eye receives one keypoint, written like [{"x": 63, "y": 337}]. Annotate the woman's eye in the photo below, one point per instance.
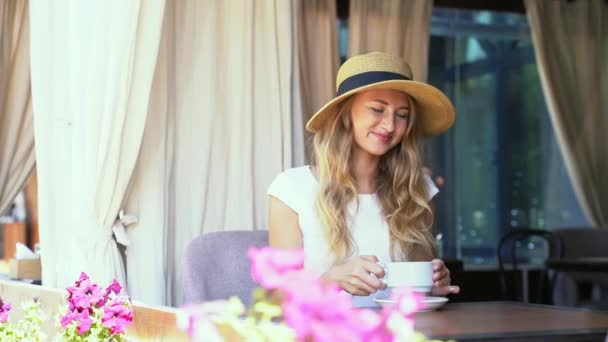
[
  {"x": 403, "y": 116},
  {"x": 377, "y": 110}
]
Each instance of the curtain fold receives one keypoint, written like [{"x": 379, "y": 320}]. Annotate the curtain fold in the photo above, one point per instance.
[
  {"x": 221, "y": 127},
  {"x": 318, "y": 55},
  {"x": 17, "y": 156},
  {"x": 397, "y": 27},
  {"x": 92, "y": 66},
  {"x": 571, "y": 45}
]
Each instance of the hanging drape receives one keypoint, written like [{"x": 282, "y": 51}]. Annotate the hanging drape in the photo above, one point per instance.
[
  {"x": 92, "y": 65},
  {"x": 571, "y": 46},
  {"x": 17, "y": 157},
  {"x": 317, "y": 47},
  {"x": 223, "y": 122},
  {"x": 397, "y": 27}
]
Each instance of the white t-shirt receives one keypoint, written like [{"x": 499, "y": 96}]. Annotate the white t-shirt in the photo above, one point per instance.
[{"x": 298, "y": 189}]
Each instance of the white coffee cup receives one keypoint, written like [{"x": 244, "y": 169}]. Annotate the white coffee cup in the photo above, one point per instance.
[{"x": 417, "y": 275}]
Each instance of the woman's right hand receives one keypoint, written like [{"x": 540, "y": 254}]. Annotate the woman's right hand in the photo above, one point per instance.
[{"x": 355, "y": 275}]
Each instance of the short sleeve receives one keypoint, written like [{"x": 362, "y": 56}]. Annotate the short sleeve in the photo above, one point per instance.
[
  {"x": 431, "y": 188},
  {"x": 283, "y": 188}
]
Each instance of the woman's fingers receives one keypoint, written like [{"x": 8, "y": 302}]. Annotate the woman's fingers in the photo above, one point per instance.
[
  {"x": 357, "y": 287},
  {"x": 442, "y": 274},
  {"x": 361, "y": 283},
  {"x": 438, "y": 265},
  {"x": 374, "y": 282},
  {"x": 445, "y": 290},
  {"x": 373, "y": 267},
  {"x": 441, "y": 279},
  {"x": 443, "y": 282}
]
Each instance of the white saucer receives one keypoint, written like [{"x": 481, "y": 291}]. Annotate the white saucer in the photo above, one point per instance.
[{"x": 430, "y": 303}]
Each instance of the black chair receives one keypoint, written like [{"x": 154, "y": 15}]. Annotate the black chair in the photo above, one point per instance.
[{"x": 510, "y": 240}]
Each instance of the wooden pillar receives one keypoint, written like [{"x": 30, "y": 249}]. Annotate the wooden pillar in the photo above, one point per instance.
[{"x": 13, "y": 233}]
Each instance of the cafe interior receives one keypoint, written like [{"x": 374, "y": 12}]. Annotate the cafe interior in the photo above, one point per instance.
[{"x": 138, "y": 140}]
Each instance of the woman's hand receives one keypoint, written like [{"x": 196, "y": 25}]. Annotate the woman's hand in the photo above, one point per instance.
[
  {"x": 355, "y": 276},
  {"x": 441, "y": 280}
]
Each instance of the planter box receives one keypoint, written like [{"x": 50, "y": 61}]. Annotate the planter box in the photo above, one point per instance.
[{"x": 25, "y": 269}]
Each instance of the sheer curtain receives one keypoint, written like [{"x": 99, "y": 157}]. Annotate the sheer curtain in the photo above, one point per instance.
[
  {"x": 571, "y": 47},
  {"x": 92, "y": 66},
  {"x": 17, "y": 157},
  {"x": 221, "y": 127},
  {"x": 393, "y": 26}
]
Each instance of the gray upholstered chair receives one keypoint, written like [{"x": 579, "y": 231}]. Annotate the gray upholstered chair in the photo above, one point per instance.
[{"x": 217, "y": 266}]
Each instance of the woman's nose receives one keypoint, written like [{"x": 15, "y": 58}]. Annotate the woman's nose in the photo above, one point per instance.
[{"x": 388, "y": 122}]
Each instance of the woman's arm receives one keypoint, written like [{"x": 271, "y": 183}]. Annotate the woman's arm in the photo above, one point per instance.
[
  {"x": 283, "y": 227},
  {"x": 353, "y": 276}
]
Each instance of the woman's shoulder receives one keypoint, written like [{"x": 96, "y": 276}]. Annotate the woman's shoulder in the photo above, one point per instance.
[
  {"x": 300, "y": 172},
  {"x": 294, "y": 177},
  {"x": 291, "y": 186}
]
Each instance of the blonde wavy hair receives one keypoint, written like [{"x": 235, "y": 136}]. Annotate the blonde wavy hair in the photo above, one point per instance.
[{"x": 401, "y": 189}]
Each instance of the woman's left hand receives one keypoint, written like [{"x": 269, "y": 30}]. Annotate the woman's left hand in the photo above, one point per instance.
[{"x": 442, "y": 283}]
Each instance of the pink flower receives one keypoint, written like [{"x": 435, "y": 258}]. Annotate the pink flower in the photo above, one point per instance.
[
  {"x": 86, "y": 294},
  {"x": 314, "y": 311},
  {"x": 68, "y": 318},
  {"x": 114, "y": 287},
  {"x": 84, "y": 322},
  {"x": 396, "y": 320},
  {"x": 83, "y": 278},
  {"x": 4, "y": 309},
  {"x": 323, "y": 312},
  {"x": 407, "y": 302},
  {"x": 117, "y": 316},
  {"x": 269, "y": 266},
  {"x": 195, "y": 320},
  {"x": 82, "y": 318}
]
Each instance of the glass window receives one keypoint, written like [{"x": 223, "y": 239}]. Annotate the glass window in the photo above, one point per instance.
[{"x": 501, "y": 163}]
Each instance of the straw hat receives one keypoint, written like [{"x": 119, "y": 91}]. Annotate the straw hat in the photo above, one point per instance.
[{"x": 378, "y": 70}]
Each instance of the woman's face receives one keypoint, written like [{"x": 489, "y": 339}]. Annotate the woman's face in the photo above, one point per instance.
[{"x": 380, "y": 119}]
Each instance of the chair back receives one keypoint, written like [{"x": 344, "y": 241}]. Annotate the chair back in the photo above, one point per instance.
[
  {"x": 510, "y": 239},
  {"x": 217, "y": 266}
]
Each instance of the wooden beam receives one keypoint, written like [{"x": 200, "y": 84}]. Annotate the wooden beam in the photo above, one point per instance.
[{"x": 516, "y": 6}]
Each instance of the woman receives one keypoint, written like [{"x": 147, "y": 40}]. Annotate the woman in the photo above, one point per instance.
[{"x": 365, "y": 198}]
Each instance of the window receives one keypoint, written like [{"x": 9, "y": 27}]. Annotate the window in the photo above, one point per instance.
[{"x": 500, "y": 160}]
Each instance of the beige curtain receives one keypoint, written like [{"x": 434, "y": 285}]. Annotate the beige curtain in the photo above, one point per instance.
[
  {"x": 571, "y": 45},
  {"x": 318, "y": 54},
  {"x": 393, "y": 26},
  {"x": 17, "y": 156},
  {"x": 92, "y": 66},
  {"x": 221, "y": 127}
]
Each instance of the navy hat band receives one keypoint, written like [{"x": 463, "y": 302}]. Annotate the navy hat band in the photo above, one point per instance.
[{"x": 367, "y": 78}]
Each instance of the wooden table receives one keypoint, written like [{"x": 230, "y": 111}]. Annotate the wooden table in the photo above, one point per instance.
[
  {"x": 510, "y": 321},
  {"x": 484, "y": 321}
]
